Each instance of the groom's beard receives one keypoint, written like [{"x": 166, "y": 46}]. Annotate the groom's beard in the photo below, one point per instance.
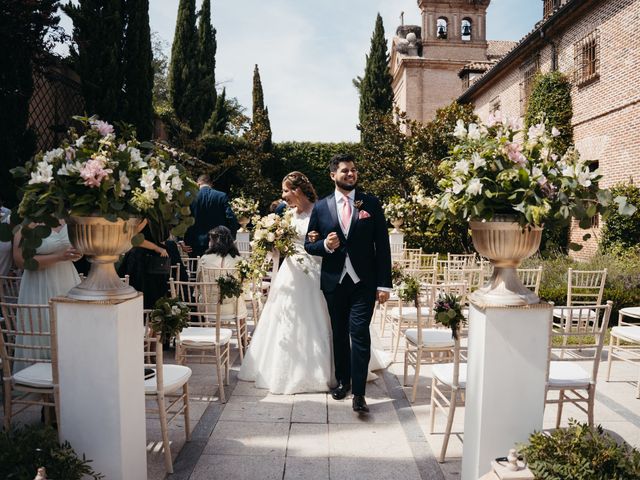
[{"x": 346, "y": 186}]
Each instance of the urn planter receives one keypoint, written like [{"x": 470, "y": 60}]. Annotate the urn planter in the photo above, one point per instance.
[
  {"x": 102, "y": 242},
  {"x": 243, "y": 221},
  {"x": 506, "y": 244}
]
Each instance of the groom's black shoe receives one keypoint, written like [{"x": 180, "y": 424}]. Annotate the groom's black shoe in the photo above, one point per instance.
[
  {"x": 340, "y": 391},
  {"x": 359, "y": 404}
]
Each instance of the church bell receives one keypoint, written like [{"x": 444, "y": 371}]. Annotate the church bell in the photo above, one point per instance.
[{"x": 466, "y": 30}]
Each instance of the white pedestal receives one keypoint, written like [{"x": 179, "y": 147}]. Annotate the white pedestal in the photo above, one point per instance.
[
  {"x": 506, "y": 372},
  {"x": 243, "y": 242},
  {"x": 396, "y": 242},
  {"x": 102, "y": 404}
]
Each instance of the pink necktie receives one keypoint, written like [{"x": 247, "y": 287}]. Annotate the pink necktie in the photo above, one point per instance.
[{"x": 346, "y": 213}]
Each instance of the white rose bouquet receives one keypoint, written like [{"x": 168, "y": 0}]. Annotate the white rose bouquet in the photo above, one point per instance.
[
  {"x": 244, "y": 207},
  {"x": 273, "y": 232}
]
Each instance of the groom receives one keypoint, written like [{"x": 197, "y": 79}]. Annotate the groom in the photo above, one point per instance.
[{"x": 353, "y": 241}]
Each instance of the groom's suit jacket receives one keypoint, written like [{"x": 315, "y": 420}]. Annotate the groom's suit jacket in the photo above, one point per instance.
[{"x": 367, "y": 243}]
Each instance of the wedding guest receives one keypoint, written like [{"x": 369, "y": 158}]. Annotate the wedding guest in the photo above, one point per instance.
[
  {"x": 278, "y": 207},
  {"x": 221, "y": 255},
  {"x": 6, "y": 254},
  {"x": 210, "y": 209}
]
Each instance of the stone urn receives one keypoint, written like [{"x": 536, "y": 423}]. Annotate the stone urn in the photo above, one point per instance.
[
  {"x": 506, "y": 244},
  {"x": 397, "y": 223},
  {"x": 102, "y": 242},
  {"x": 243, "y": 221}
]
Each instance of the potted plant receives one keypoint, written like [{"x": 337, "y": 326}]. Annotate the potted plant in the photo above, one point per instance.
[
  {"x": 395, "y": 210},
  {"x": 168, "y": 317},
  {"x": 508, "y": 183},
  {"x": 245, "y": 209},
  {"x": 102, "y": 186}
]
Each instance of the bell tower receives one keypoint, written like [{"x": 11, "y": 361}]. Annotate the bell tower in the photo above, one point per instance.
[{"x": 452, "y": 34}]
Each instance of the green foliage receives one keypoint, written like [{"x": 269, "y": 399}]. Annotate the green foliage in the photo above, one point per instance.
[
  {"x": 168, "y": 317},
  {"x": 99, "y": 34},
  {"x": 621, "y": 230},
  {"x": 207, "y": 47},
  {"x": 25, "y": 32},
  {"x": 260, "y": 133},
  {"x": 551, "y": 99},
  {"x": 220, "y": 117},
  {"x": 160, "y": 64},
  {"x": 580, "y": 452},
  {"x": 448, "y": 309},
  {"x": 138, "y": 70},
  {"x": 376, "y": 93},
  {"x": 230, "y": 286},
  {"x": 24, "y": 450},
  {"x": 184, "y": 74},
  {"x": 408, "y": 289}
]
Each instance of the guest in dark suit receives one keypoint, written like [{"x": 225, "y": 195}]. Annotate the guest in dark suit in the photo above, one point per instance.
[
  {"x": 210, "y": 209},
  {"x": 349, "y": 231}
]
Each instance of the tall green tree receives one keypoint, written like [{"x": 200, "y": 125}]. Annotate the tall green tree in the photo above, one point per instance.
[
  {"x": 376, "y": 94},
  {"x": 220, "y": 117},
  {"x": 98, "y": 31},
  {"x": 138, "y": 69},
  {"x": 206, "y": 66},
  {"x": 25, "y": 29},
  {"x": 261, "y": 125},
  {"x": 183, "y": 69}
]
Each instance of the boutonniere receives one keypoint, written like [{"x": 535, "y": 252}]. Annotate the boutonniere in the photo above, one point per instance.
[
  {"x": 357, "y": 204},
  {"x": 361, "y": 213}
]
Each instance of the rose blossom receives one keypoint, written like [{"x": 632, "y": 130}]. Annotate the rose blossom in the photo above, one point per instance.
[
  {"x": 102, "y": 127},
  {"x": 93, "y": 172}
]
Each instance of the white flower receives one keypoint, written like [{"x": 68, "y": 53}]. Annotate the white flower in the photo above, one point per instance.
[
  {"x": 474, "y": 132},
  {"x": 536, "y": 172},
  {"x": 555, "y": 132},
  {"x": 271, "y": 237},
  {"x": 147, "y": 180},
  {"x": 43, "y": 173},
  {"x": 462, "y": 167},
  {"x": 51, "y": 155},
  {"x": 176, "y": 183},
  {"x": 457, "y": 186},
  {"x": 477, "y": 160},
  {"x": 80, "y": 142},
  {"x": 584, "y": 176},
  {"x": 122, "y": 147},
  {"x": 136, "y": 158},
  {"x": 460, "y": 131},
  {"x": 495, "y": 117},
  {"x": 172, "y": 170},
  {"x": 124, "y": 183},
  {"x": 69, "y": 169},
  {"x": 474, "y": 187},
  {"x": 536, "y": 131}
]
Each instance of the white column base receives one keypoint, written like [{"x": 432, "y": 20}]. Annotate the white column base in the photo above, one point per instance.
[
  {"x": 506, "y": 376},
  {"x": 396, "y": 242},
  {"x": 102, "y": 402}
]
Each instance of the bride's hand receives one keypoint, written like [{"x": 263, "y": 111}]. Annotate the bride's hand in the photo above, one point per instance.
[{"x": 313, "y": 236}]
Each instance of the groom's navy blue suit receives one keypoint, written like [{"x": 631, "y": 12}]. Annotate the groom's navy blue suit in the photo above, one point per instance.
[{"x": 351, "y": 305}]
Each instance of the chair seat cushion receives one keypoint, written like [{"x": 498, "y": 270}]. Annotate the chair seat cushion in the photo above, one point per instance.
[
  {"x": 444, "y": 373},
  {"x": 410, "y": 313},
  {"x": 204, "y": 336},
  {"x": 568, "y": 374},
  {"x": 431, "y": 337},
  {"x": 37, "y": 375},
  {"x": 173, "y": 377},
  {"x": 577, "y": 313},
  {"x": 627, "y": 333}
]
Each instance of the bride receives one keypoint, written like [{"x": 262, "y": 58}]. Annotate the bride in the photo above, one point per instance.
[{"x": 291, "y": 348}]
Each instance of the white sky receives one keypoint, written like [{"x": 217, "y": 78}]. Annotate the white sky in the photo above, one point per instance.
[{"x": 308, "y": 53}]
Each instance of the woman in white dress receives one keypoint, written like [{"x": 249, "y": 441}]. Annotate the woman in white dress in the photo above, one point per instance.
[{"x": 291, "y": 348}]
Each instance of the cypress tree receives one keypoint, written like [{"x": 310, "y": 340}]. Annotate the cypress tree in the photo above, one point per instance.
[
  {"x": 183, "y": 69},
  {"x": 98, "y": 31},
  {"x": 375, "y": 89},
  {"x": 261, "y": 126},
  {"x": 220, "y": 117},
  {"x": 138, "y": 69},
  {"x": 206, "y": 66}
]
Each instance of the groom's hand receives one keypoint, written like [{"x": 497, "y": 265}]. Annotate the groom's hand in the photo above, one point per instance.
[
  {"x": 382, "y": 296},
  {"x": 332, "y": 241},
  {"x": 313, "y": 236}
]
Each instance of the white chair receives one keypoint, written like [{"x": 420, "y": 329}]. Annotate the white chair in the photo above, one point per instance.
[
  {"x": 29, "y": 357},
  {"x": 584, "y": 287},
  {"x": 448, "y": 385},
  {"x": 9, "y": 288},
  {"x": 168, "y": 385},
  {"x": 204, "y": 340},
  {"x": 572, "y": 342},
  {"x": 627, "y": 332},
  {"x": 531, "y": 278}
]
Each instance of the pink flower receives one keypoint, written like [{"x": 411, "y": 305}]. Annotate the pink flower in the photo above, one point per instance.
[
  {"x": 102, "y": 127},
  {"x": 495, "y": 117},
  {"x": 93, "y": 172},
  {"x": 70, "y": 154},
  {"x": 514, "y": 152}
]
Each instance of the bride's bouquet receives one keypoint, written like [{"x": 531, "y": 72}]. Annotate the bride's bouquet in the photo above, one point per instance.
[{"x": 274, "y": 233}]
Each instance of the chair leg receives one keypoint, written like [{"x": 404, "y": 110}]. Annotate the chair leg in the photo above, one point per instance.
[
  {"x": 239, "y": 338},
  {"x": 187, "y": 421},
  {"x": 560, "y": 405},
  {"x": 396, "y": 344},
  {"x": 416, "y": 377},
  {"x": 220, "y": 371},
  {"x": 432, "y": 420},
  {"x": 447, "y": 432},
  {"x": 406, "y": 367},
  {"x": 590, "y": 404},
  {"x": 609, "y": 358},
  {"x": 164, "y": 428}
]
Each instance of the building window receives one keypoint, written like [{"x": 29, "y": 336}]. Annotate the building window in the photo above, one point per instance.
[
  {"x": 465, "y": 30},
  {"x": 529, "y": 71},
  {"x": 587, "y": 59},
  {"x": 495, "y": 104},
  {"x": 550, "y": 6},
  {"x": 442, "y": 28}
]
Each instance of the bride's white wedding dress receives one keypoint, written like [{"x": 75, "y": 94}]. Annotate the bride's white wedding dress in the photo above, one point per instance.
[{"x": 291, "y": 348}]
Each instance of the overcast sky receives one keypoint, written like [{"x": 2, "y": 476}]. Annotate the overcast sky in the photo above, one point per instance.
[{"x": 308, "y": 53}]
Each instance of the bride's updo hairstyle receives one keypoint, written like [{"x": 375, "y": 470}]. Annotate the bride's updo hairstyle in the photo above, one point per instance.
[{"x": 299, "y": 180}]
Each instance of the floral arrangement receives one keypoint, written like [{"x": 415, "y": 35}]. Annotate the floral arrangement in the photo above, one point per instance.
[
  {"x": 499, "y": 168},
  {"x": 230, "y": 286},
  {"x": 168, "y": 317},
  {"x": 408, "y": 289},
  {"x": 244, "y": 207},
  {"x": 448, "y": 311},
  {"x": 397, "y": 208},
  {"x": 93, "y": 172},
  {"x": 273, "y": 232}
]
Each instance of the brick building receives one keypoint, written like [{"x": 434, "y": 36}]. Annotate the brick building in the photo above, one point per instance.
[{"x": 594, "y": 42}]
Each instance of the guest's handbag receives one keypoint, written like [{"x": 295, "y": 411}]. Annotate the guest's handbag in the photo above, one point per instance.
[{"x": 157, "y": 265}]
